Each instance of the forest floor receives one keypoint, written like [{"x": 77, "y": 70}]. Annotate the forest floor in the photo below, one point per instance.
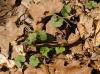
[{"x": 49, "y": 37}]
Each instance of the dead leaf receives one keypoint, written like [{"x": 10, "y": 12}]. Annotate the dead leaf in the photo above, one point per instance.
[
  {"x": 96, "y": 65},
  {"x": 72, "y": 68},
  {"x": 7, "y": 72},
  {"x": 41, "y": 70},
  {"x": 5, "y": 62},
  {"x": 96, "y": 12},
  {"x": 38, "y": 11},
  {"x": 17, "y": 50},
  {"x": 50, "y": 29},
  {"x": 73, "y": 37},
  {"x": 9, "y": 34},
  {"x": 77, "y": 49},
  {"x": 85, "y": 26},
  {"x": 18, "y": 71},
  {"x": 88, "y": 44},
  {"x": 97, "y": 34}
]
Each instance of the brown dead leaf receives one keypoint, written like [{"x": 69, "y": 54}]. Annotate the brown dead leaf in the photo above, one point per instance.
[
  {"x": 9, "y": 34},
  {"x": 85, "y": 26},
  {"x": 97, "y": 34},
  {"x": 73, "y": 37},
  {"x": 50, "y": 29},
  {"x": 73, "y": 68},
  {"x": 88, "y": 44},
  {"x": 30, "y": 70},
  {"x": 77, "y": 49},
  {"x": 38, "y": 11},
  {"x": 7, "y": 72},
  {"x": 19, "y": 71},
  {"x": 38, "y": 26},
  {"x": 96, "y": 65},
  {"x": 41, "y": 70},
  {"x": 96, "y": 12},
  {"x": 53, "y": 6}
]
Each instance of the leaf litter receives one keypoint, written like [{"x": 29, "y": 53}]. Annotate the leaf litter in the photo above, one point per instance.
[{"x": 49, "y": 37}]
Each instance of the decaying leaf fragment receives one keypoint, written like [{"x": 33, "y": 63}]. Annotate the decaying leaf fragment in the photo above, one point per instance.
[
  {"x": 45, "y": 8},
  {"x": 73, "y": 37},
  {"x": 41, "y": 70},
  {"x": 85, "y": 26},
  {"x": 97, "y": 34},
  {"x": 9, "y": 34},
  {"x": 4, "y": 60},
  {"x": 72, "y": 68},
  {"x": 50, "y": 29},
  {"x": 96, "y": 13}
]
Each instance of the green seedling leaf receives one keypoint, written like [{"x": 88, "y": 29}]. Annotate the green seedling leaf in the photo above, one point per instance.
[
  {"x": 66, "y": 10},
  {"x": 34, "y": 61},
  {"x": 91, "y": 4},
  {"x": 42, "y": 35},
  {"x": 31, "y": 38},
  {"x": 59, "y": 49},
  {"x": 57, "y": 21},
  {"x": 44, "y": 51},
  {"x": 19, "y": 59},
  {"x": 18, "y": 64}
]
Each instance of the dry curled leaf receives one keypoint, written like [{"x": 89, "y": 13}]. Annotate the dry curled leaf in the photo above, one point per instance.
[
  {"x": 72, "y": 68},
  {"x": 97, "y": 34},
  {"x": 96, "y": 12},
  {"x": 45, "y": 8},
  {"x": 7, "y": 72},
  {"x": 41, "y": 70},
  {"x": 85, "y": 26},
  {"x": 77, "y": 49},
  {"x": 50, "y": 29},
  {"x": 9, "y": 34},
  {"x": 5, "y": 61},
  {"x": 73, "y": 37}
]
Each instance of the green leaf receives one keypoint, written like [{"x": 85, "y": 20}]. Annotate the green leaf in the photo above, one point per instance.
[
  {"x": 59, "y": 49},
  {"x": 57, "y": 21},
  {"x": 18, "y": 64},
  {"x": 31, "y": 38},
  {"x": 42, "y": 35},
  {"x": 19, "y": 59},
  {"x": 44, "y": 51},
  {"x": 34, "y": 61},
  {"x": 66, "y": 10},
  {"x": 91, "y": 4}
]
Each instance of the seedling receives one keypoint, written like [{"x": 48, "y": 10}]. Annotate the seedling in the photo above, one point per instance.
[
  {"x": 42, "y": 35},
  {"x": 31, "y": 38},
  {"x": 34, "y": 61},
  {"x": 57, "y": 21},
  {"x": 39, "y": 35},
  {"x": 66, "y": 10},
  {"x": 19, "y": 60},
  {"x": 59, "y": 50},
  {"x": 44, "y": 51},
  {"x": 91, "y": 4}
]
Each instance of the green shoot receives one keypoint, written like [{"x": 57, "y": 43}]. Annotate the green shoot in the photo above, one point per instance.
[
  {"x": 34, "y": 61},
  {"x": 57, "y": 21},
  {"x": 31, "y": 38},
  {"x": 91, "y": 4},
  {"x": 42, "y": 35},
  {"x": 59, "y": 50},
  {"x": 44, "y": 51},
  {"x": 18, "y": 60},
  {"x": 66, "y": 10}
]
